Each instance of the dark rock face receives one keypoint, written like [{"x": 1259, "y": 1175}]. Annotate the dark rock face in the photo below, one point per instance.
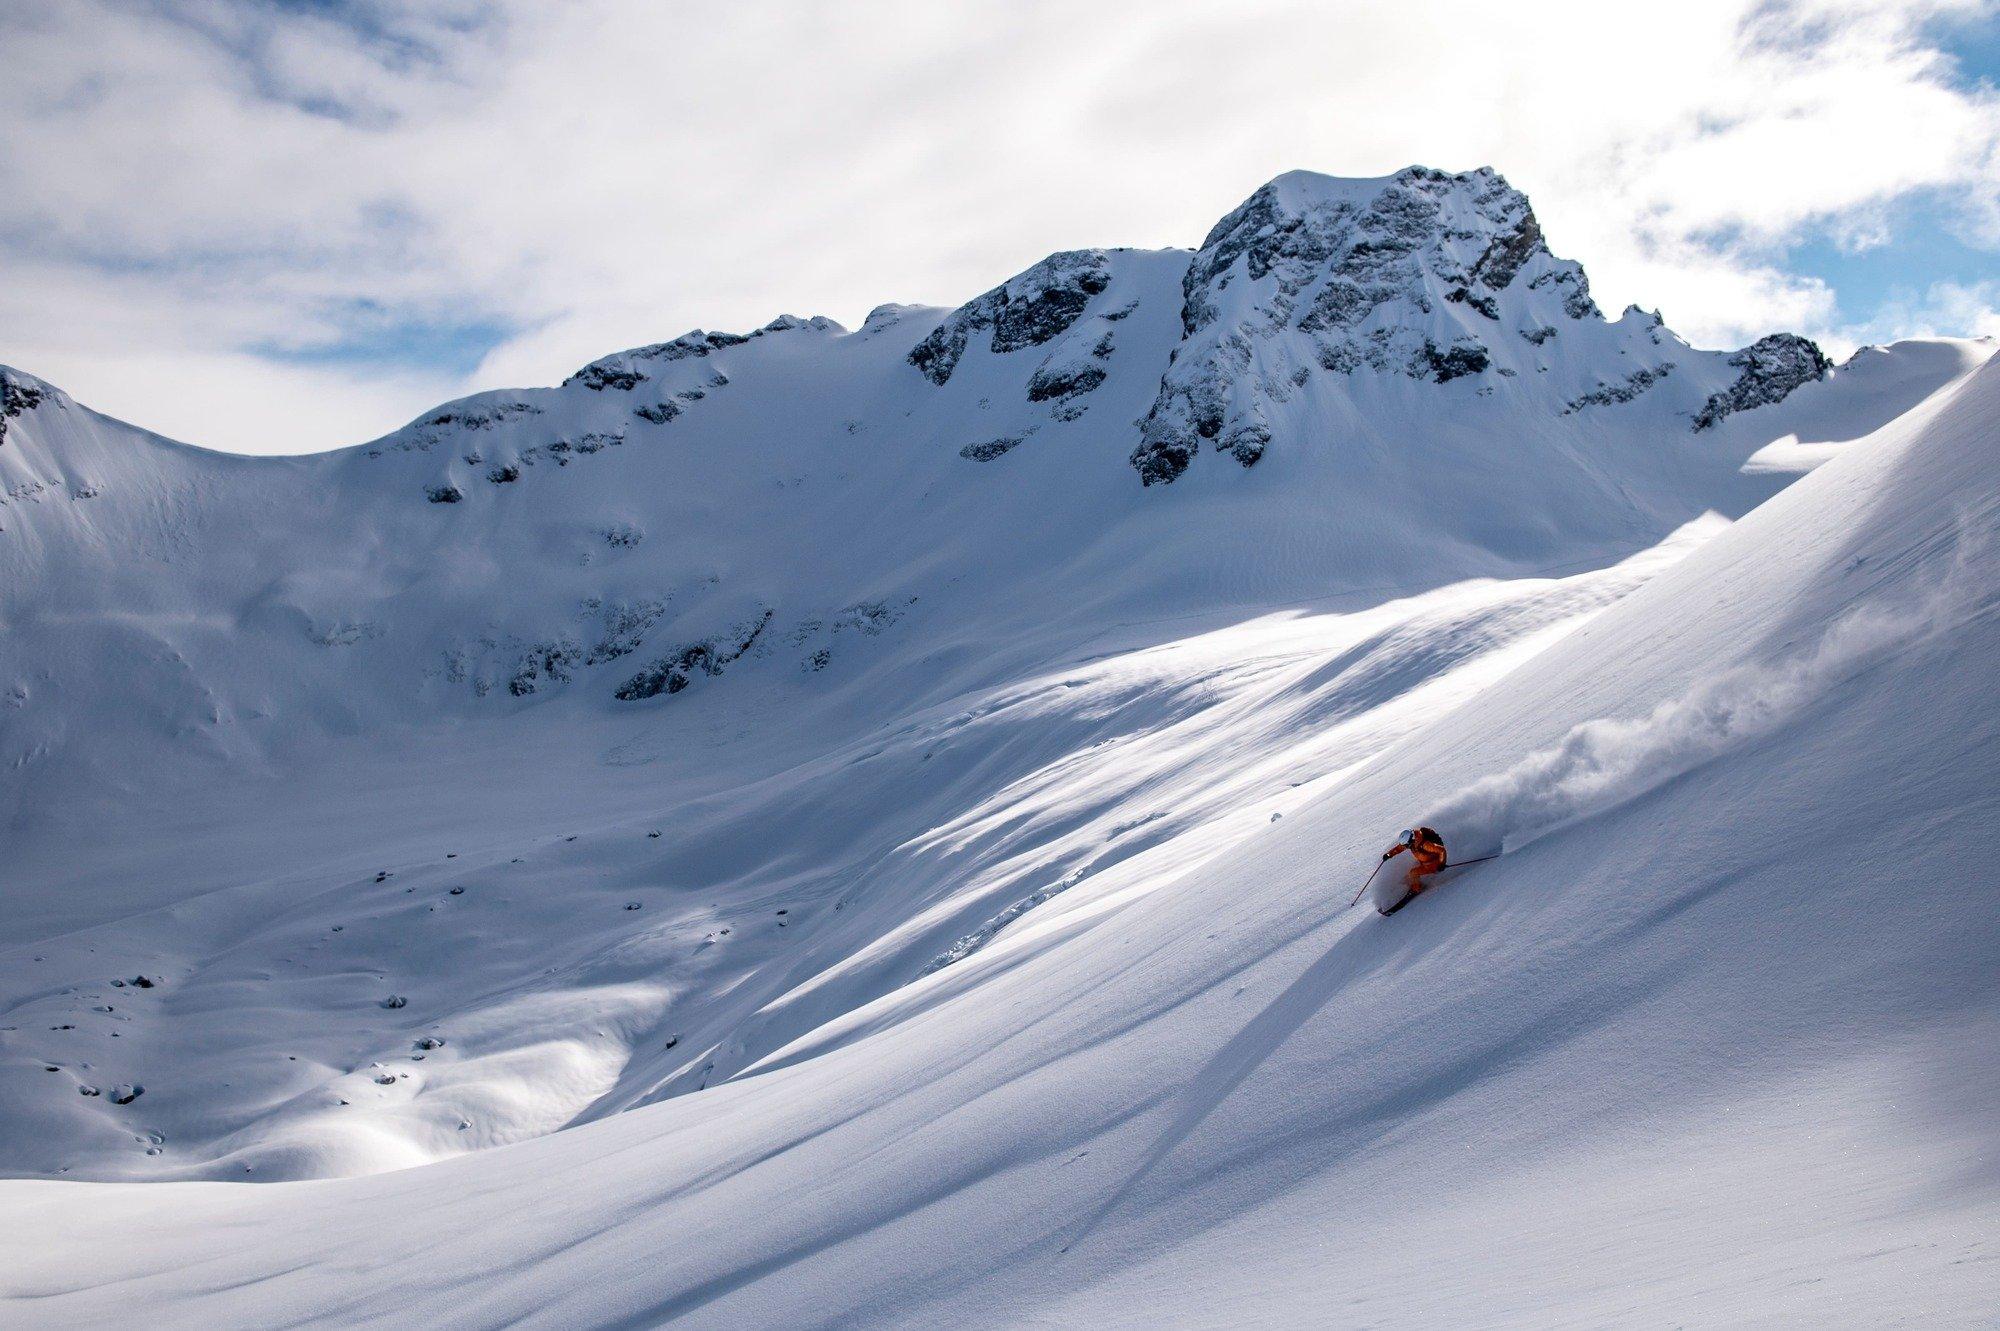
[
  {"x": 1443, "y": 364},
  {"x": 1026, "y": 311},
  {"x": 659, "y": 414},
  {"x": 16, "y": 396},
  {"x": 1771, "y": 368},
  {"x": 1508, "y": 252},
  {"x": 444, "y": 494},
  {"x": 546, "y": 663},
  {"x": 625, "y": 628},
  {"x": 989, "y": 450},
  {"x": 504, "y": 475},
  {"x": 1485, "y": 305},
  {"x": 1612, "y": 394},
  {"x": 1069, "y": 373},
  {"x": 600, "y": 377},
  {"x": 1161, "y": 461},
  {"x": 480, "y": 418},
  {"x": 1245, "y": 442},
  {"x": 620, "y": 371},
  {"x": 1575, "y": 289},
  {"x": 675, "y": 671},
  {"x": 1064, "y": 381}
]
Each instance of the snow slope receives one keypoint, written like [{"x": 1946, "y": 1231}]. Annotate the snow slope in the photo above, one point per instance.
[{"x": 993, "y": 964}]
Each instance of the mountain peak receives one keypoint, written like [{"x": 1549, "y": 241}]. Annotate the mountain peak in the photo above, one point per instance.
[{"x": 1405, "y": 274}]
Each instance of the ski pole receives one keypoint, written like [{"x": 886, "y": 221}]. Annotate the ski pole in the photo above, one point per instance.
[{"x": 1371, "y": 878}]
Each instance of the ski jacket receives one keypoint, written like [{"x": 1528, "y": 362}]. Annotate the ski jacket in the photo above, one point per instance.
[{"x": 1427, "y": 850}]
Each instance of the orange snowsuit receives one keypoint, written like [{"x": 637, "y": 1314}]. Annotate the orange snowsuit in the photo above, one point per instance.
[{"x": 1426, "y": 855}]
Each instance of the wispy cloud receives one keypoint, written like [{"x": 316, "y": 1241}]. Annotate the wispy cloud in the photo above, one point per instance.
[{"x": 271, "y": 225}]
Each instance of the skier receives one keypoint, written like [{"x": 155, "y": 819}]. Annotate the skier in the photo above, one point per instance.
[{"x": 1427, "y": 856}]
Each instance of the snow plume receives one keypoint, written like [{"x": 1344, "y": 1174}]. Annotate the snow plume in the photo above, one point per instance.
[{"x": 1606, "y": 762}]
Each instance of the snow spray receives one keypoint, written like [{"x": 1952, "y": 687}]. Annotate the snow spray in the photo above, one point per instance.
[{"x": 1606, "y": 762}]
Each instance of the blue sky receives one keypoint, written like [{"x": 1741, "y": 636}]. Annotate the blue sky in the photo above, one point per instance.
[{"x": 283, "y": 225}]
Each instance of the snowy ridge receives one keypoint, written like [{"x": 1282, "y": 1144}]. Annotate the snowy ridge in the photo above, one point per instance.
[{"x": 799, "y": 805}]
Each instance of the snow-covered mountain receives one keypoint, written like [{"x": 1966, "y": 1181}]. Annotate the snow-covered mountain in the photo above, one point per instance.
[{"x": 890, "y": 794}]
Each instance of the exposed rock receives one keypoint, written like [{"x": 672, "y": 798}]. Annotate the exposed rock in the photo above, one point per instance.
[
  {"x": 544, "y": 663},
  {"x": 1611, "y": 394},
  {"x": 597, "y": 378},
  {"x": 1443, "y": 364},
  {"x": 395, "y": 1001},
  {"x": 480, "y": 418},
  {"x": 1246, "y": 442},
  {"x": 675, "y": 671},
  {"x": 126, "y": 1094},
  {"x": 444, "y": 494},
  {"x": 504, "y": 475},
  {"x": 620, "y": 372},
  {"x": 17, "y": 396},
  {"x": 1062, "y": 382},
  {"x": 1028, "y": 310},
  {"x": 1771, "y": 368},
  {"x": 625, "y": 629},
  {"x": 1568, "y": 279},
  {"x": 658, "y": 414},
  {"x": 1485, "y": 305},
  {"x": 1365, "y": 271},
  {"x": 989, "y": 450}
]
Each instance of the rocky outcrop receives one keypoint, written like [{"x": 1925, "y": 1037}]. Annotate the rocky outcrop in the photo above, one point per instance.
[
  {"x": 675, "y": 671},
  {"x": 17, "y": 396},
  {"x": 1630, "y": 387},
  {"x": 483, "y": 417},
  {"x": 1387, "y": 277},
  {"x": 622, "y": 372},
  {"x": 1071, "y": 372},
  {"x": 989, "y": 450},
  {"x": 597, "y": 378},
  {"x": 444, "y": 494},
  {"x": 549, "y": 663},
  {"x": 1772, "y": 367},
  {"x": 1443, "y": 364},
  {"x": 1029, "y": 310}
]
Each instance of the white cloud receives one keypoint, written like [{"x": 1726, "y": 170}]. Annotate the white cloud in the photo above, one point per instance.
[
  {"x": 1943, "y": 309},
  {"x": 193, "y": 179}
]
